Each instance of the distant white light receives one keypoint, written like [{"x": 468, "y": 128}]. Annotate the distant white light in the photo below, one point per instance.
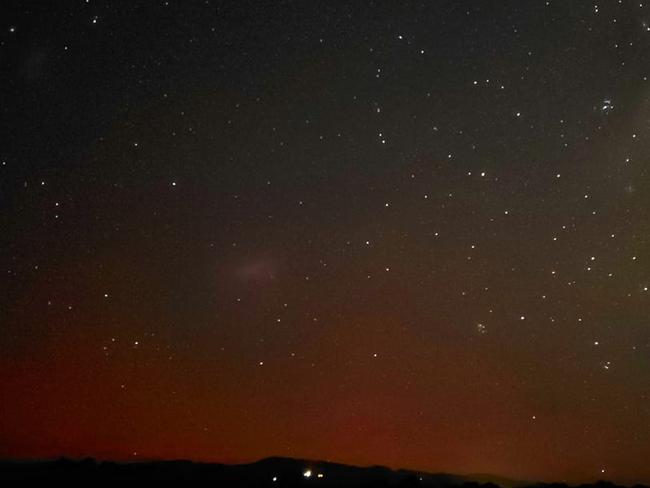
[
  {"x": 307, "y": 473},
  {"x": 607, "y": 106}
]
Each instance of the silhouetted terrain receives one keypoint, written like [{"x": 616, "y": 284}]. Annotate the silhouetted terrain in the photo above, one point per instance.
[{"x": 272, "y": 472}]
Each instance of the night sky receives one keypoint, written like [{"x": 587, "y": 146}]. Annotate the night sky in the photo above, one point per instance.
[{"x": 414, "y": 234}]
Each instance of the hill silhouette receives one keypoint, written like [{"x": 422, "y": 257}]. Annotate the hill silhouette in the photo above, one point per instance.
[{"x": 269, "y": 472}]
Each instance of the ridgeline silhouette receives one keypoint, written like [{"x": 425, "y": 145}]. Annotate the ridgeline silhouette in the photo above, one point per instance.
[{"x": 269, "y": 472}]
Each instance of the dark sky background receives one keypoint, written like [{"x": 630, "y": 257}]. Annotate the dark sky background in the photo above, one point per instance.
[{"x": 376, "y": 232}]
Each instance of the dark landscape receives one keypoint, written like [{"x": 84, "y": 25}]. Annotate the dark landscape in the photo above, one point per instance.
[{"x": 271, "y": 472}]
